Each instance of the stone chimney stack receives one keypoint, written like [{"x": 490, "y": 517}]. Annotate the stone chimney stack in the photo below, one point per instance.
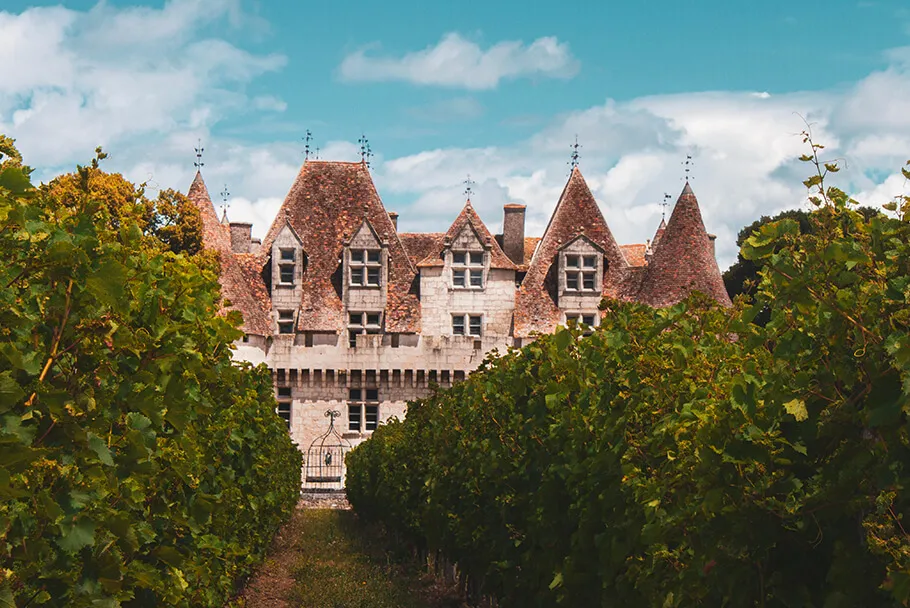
[
  {"x": 241, "y": 237},
  {"x": 513, "y": 232},
  {"x": 394, "y": 217},
  {"x": 713, "y": 238}
]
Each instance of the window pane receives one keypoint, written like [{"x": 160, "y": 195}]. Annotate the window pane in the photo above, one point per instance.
[
  {"x": 373, "y": 256},
  {"x": 590, "y": 261},
  {"x": 285, "y": 314},
  {"x": 570, "y": 319},
  {"x": 572, "y": 261},
  {"x": 286, "y": 272},
  {"x": 284, "y": 411},
  {"x": 286, "y": 327},
  {"x": 357, "y": 256},
  {"x": 588, "y": 320},
  {"x": 355, "y": 318},
  {"x": 571, "y": 280},
  {"x": 356, "y": 276},
  {"x": 352, "y": 338},
  {"x": 372, "y": 318},
  {"x": 287, "y": 255},
  {"x": 477, "y": 258},
  {"x": 372, "y": 276},
  {"x": 475, "y": 325},
  {"x": 589, "y": 280},
  {"x": 354, "y": 417},
  {"x": 284, "y": 391},
  {"x": 458, "y": 278},
  {"x": 372, "y": 417},
  {"x": 458, "y": 257},
  {"x": 477, "y": 278},
  {"x": 372, "y": 394},
  {"x": 354, "y": 394},
  {"x": 458, "y": 325}
]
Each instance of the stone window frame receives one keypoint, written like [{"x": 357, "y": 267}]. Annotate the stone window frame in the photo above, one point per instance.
[
  {"x": 369, "y": 262},
  {"x": 286, "y": 321},
  {"x": 581, "y": 317},
  {"x": 467, "y": 268},
  {"x": 467, "y": 322},
  {"x": 364, "y": 325},
  {"x": 287, "y": 265},
  {"x": 581, "y": 267},
  {"x": 363, "y": 409},
  {"x": 284, "y": 399}
]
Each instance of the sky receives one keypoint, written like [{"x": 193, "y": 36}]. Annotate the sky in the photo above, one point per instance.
[{"x": 495, "y": 90}]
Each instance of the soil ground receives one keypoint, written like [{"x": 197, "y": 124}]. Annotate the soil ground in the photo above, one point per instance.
[{"x": 325, "y": 557}]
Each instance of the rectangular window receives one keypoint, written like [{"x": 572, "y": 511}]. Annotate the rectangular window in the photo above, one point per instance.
[
  {"x": 366, "y": 267},
  {"x": 363, "y": 409},
  {"x": 580, "y": 281},
  {"x": 458, "y": 325},
  {"x": 286, "y": 274},
  {"x": 588, "y": 281},
  {"x": 363, "y": 323},
  {"x": 476, "y": 324},
  {"x": 284, "y": 404},
  {"x": 590, "y": 261},
  {"x": 371, "y": 417},
  {"x": 572, "y": 280},
  {"x": 572, "y": 261},
  {"x": 287, "y": 255},
  {"x": 458, "y": 277},
  {"x": 354, "y": 417},
  {"x": 467, "y": 269},
  {"x": 477, "y": 278},
  {"x": 458, "y": 257},
  {"x": 467, "y": 325},
  {"x": 285, "y": 321}
]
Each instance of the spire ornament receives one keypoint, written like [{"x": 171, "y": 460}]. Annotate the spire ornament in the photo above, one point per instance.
[
  {"x": 688, "y": 167},
  {"x": 366, "y": 153},
  {"x": 575, "y": 155},
  {"x": 306, "y": 144},
  {"x": 224, "y": 203},
  {"x": 664, "y": 205},
  {"x": 199, "y": 150},
  {"x": 468, "y": 187}
]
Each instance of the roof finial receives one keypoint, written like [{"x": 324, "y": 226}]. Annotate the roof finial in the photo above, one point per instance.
[
  {"x": 575, "y": 155},
  {"x": 317, "y": 152},
  {"x": 689, "y": 165},
  {"x": 468, "y": 187},
  {"x": 306, "y": 144},
  {"x": 365, "y": 152},
  {"x": 664, "y": 204},
  {"x": 224, "y": 203},
  {"x": 199, "y": 150}
]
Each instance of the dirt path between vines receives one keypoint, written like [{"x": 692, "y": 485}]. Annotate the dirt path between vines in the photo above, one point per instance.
[{"x": 325, "y": 557}]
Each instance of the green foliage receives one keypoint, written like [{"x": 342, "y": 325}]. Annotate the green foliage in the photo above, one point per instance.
[
  {"x": 139, "y": 465},
  {"x": 684, "y": 456}
]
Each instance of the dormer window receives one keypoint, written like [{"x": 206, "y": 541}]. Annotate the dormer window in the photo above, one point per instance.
[
  {"x": 285, "y": 321},
  {"x": 287, "y": 261},
  {"x": 467, "y": 325},
  {"x": 581, "y": 272},
  {"x": 366, "y": 267},
  {"x": 467, "y": 269}
]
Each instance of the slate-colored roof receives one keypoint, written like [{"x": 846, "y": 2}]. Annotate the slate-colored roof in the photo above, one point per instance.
[
  {"x": 684, "y": 262},
  {"x": 238, "y": 286},
  {"x": 326, "y": 205},
  {"x": 634, "y": 254},
  {"x": 576, "y": 213},
  {"x": 419, "y": 244},
  {"x": 469, "y": 217}
]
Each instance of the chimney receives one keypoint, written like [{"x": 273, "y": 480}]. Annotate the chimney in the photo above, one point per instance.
[
  {"x": 513, "y": 232},
  {"x": 255, "y": 245},
  {"x": 241, "y": 237},
  {"x": 394, "y": 217},
  {"x": 712, "y": 238}
]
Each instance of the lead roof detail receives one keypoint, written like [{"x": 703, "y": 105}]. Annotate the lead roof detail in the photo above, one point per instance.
[{"x": 325, "y": 206}]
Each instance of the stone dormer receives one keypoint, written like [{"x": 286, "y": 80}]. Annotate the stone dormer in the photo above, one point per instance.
[
  {"x": 366, "y": 262},
  {"x": 288, "y": 266},
  {"x": 467, "y": 260},
  {"x": 581, "y": 267}
]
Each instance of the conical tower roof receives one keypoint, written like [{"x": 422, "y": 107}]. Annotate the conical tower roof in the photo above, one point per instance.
[
  {"x": 683, "y": 261},
  {"x": 658, "y": 234}
]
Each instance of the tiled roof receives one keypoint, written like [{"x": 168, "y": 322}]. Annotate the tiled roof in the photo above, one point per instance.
[
  {"x": 634, "y": 254},
  {"x": 684, "y": 261},
  {"x": 530, "y": 245},
  {"x": 659, "y": 234},
  {"x": 576, "y": 213},
  {"x": 238, "y": 286},
  {"x": 326, "y": 205},
  {"x": 469, "y": 217},
  {"x": 419, "y": 244}
]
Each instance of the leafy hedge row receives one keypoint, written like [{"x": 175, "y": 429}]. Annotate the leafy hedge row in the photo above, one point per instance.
[
  {"x": 685, "y": 456},
  {"x": 139, "y": 465}
]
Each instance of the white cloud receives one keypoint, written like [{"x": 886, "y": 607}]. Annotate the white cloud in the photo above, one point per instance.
[{"x": 457, "y": 62}]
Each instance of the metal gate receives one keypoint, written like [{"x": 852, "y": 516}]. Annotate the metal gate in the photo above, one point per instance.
[{"x": 325, "y": 459}]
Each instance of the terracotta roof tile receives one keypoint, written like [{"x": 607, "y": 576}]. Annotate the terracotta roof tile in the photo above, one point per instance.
[
  {"x": 684, "y": 262},
  {"x": 419, "y": 244},
  {"x": 659, "y": 234},
  {"x": 238, "y": 286},
  {"x": 326, "y": 205},
  {"x": 498, "y": 259},
  {"x": 530, "y": 245},
  {"x": 576, "y": 213},
  {"x": 634, "y": 254}
]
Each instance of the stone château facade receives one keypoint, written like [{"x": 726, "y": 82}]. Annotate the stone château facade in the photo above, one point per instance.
[{"x": 354, "y": 316}]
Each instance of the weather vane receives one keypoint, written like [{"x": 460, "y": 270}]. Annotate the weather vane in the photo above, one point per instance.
[
  {"x": 468, "y": 186},
  {"x": 664, "y": 205},
  {"x": 306, "y": 144},
  {"x": 366, "y": 153},
  {"x": 575, "y": 155},
  {"x": 317, "y": 152},
  {"x": 224, "y": 199},
  {"x": 199, "y": 150},
  {"x": 689, "y": 164}
]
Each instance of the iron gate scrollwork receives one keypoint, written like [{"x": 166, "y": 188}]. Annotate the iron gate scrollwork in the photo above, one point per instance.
[{"x": 325, "y": 458}]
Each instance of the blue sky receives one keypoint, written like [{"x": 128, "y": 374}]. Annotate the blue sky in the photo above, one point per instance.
[{"x": 497, "y": 90}]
